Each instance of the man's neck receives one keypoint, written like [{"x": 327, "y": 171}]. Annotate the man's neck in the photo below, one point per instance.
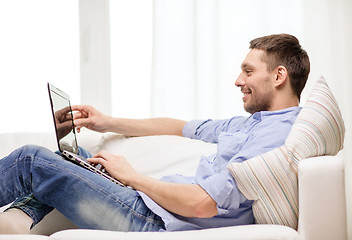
[{"x": 284, "y": 100}]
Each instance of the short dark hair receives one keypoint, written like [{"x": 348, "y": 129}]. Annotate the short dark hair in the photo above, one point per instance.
[{"x": 285, "y": 50}]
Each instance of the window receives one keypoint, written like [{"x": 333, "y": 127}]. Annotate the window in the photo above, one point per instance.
[{"x": 39, "y": 44}]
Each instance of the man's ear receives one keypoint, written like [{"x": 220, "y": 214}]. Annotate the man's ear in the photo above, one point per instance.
[{"x": 281, "y": 76}]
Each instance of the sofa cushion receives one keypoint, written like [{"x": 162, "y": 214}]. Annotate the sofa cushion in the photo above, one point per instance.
[
  {"x": 246, "y": 232},
  {"x": 23, "y": 237},
  {"x": 271, "y": 178},
  {"x": 159, "y": 156}
]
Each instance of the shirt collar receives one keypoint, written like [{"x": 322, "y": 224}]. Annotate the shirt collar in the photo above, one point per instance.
[{"x": 259, "y": 115}]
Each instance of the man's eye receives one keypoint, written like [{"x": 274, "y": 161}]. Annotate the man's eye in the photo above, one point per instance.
[{"x": 248, "y": 71}]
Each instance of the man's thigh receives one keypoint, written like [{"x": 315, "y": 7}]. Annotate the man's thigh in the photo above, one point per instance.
[
  {"x": 86, "y": 198},
  {"x": 91, "y": 201}
]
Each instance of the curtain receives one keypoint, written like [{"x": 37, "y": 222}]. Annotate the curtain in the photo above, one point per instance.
[{"x": 199, "y": 46}]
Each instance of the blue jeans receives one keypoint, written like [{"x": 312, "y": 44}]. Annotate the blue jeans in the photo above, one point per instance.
[{"x": 42, "y": 180}]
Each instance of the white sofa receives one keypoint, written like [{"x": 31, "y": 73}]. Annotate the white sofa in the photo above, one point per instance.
[{"x": 321, "y": 190}]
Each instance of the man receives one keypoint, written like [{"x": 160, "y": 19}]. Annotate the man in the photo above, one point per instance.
[{"x": 272, "y": 77}]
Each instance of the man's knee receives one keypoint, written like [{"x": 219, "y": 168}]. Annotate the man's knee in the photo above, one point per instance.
[{"x": 33, "y": 150}]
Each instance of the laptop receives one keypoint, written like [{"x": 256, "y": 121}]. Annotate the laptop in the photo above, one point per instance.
[{"x": 66, "y": 134}]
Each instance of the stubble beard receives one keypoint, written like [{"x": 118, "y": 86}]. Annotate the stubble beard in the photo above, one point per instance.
[{"x": 259, "y": 102}]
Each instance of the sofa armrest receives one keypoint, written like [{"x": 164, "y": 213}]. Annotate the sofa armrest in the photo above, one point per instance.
[{"x": 322, "y": 205}]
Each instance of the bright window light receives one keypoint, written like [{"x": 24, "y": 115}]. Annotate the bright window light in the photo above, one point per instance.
[{"x": 39, "y": 44}]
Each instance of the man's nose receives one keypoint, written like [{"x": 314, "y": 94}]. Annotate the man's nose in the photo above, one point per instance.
[{"x": 240, "y": 81}]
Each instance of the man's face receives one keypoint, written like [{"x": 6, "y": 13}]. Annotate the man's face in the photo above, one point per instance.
[{"x": 255, "y": 83}]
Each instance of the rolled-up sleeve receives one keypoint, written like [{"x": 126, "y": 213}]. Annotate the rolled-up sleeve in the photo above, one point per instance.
[
  {"x": 223, "y": 190},
  {"x": 190, "y": 130}
]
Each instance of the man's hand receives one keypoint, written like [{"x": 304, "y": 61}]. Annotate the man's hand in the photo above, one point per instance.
[
  {"x": 89, "y": 117},
  {"x": 116, "y": 166}
]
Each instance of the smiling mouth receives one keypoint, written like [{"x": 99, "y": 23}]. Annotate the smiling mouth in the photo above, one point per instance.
[{"x": 246, "y": 94}]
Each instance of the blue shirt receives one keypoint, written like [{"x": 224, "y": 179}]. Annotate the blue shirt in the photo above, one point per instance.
[{"x": 238, "y": 139}]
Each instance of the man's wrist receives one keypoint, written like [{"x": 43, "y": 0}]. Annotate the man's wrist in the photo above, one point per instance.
[{"x": 111, "y": 124}]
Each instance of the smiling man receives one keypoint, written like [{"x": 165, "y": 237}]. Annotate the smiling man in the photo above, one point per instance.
[
  {"x": 272, "y": 77},
  {"x": 273, "y": 74}
]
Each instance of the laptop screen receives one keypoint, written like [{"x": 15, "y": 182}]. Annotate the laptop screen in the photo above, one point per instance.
[{"x": 63, "y": 120}]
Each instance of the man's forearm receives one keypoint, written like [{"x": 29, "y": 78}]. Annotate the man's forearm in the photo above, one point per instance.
[
  {"x": 87, "y": 116},
  {"x": 187, "y": 200},
  {"x": 183, "y": 199},
  {"x": 146, "y": 127}
]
